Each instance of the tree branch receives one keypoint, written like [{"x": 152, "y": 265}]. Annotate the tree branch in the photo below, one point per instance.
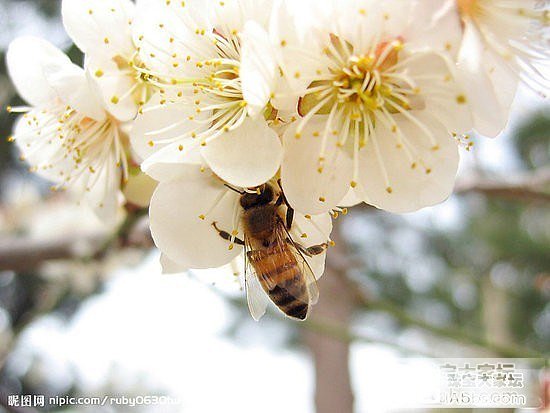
[
  {"x": 530, "y": 188},
  {"x": 20, "y": 254},
  {"x": 456, "y": 334},
  {"x": 23, "y": 254}
]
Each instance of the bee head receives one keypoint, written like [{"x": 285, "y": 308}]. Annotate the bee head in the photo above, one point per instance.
[{"x": 264, "y": 197}]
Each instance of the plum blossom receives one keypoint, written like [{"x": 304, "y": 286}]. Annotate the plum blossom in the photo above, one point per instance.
[
  {"x": 378, "y": 97},
  {"x": 103, "y": 30},
  {"x": 216, "y": 79},
  {"x": 184, "y": 208},
  {"x": 504, "y": 41},
  {"x": 65, "y": 135}
]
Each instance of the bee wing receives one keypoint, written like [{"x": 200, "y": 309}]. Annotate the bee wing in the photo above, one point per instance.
[
  {"x": 256, "y": 297},
  {"x": 309, "y": 276}
]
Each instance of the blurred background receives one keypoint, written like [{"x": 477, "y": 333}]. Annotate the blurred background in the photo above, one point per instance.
[{"x": 86, "y": 312}]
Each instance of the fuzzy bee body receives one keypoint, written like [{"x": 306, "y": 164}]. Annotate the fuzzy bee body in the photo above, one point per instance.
[{"x": 273, "y": 259}]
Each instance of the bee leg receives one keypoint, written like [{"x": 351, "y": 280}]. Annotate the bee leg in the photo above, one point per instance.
[
  {"x": 317, "y": 249},
  {"x": 289, "y": 210},
  {"x": 226, "y": 235},
  {"x": 313, "y": 250},
  {"x": 289, "y": 217}
]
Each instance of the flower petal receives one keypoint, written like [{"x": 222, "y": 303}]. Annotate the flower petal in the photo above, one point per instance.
[
  {"x": 489, "y": 116},
  {"x": 114, "y": 87},
  {"x": 102, "y": 193},
  {"x": 100, "y": 27},
  {"x": 308, "y": 190},
  {"x": 161, "y": 135},
  {"x": 423, "y": 179},
  {"x": 139, "y": 189},
  {"x": 26, "y": 58},
  {"x": 177, "y": 228},
  {"x": 258, "y": 70},
  {"x": 74, "y": 88},
  {"x": 313, "y": 231},
  {"x": 247, "y": 156},
  {"x": 427, "y": 19},
  {"x": 434, "y": 75},
  {"x": 352, "y": 198},
  {"x": 40, "y": 144}
]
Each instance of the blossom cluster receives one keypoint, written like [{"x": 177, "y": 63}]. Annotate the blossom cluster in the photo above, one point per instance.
[{"x": 333, "y": 103}]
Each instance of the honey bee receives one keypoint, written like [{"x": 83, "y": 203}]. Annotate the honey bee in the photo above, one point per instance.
[{"x": 275, "y": 264}]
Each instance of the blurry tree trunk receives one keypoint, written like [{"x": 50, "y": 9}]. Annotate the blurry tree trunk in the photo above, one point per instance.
[
  {"x": 333, "y": 392},
  {"x": 496, "y": 312}
]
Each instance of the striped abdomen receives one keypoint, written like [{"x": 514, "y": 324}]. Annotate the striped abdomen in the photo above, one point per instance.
[{"x": 281, "y": 277}]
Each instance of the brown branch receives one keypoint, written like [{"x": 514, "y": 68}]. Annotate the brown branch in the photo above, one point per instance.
[
  {"x": 528, "y": 188},
  {"x": 24, "y": 254}
]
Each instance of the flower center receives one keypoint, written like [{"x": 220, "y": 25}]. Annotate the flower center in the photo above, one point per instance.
[
  {"x": 360, "y": 92},
  {"x": 141, "y": 88},
  {"x": 358, "y": 87},
  {"x": 91, "y": 144},
  {"x": 221, "y": 88},
  {"x": 70, "y": 146}
]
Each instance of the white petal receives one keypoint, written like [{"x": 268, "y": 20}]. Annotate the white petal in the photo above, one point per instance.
[
  {"x": 246, "y": 157},
  {"x": 317, "y": 231},
  {"x": 40, "y": 144},
  {"x": 100, "y": 27},
  {"x": 353, "y": 197},
  {"x": 139, "y": 189},
  {"x": 74, "y": 88},
  {"x": 434, "y": 24},
  {"x": 434, "y": 74},
  {"x": 489, "y": 116},
  {"x": 503, "y": 77},
  {"x": 233, "y": 14},
  {"x": 164, "y": 29},
  {"x": 114, "y": 86},
  {"x": 307, "y": 190},
  {"x": 177, "y": 229},
  {"x": 429, "y": 182},
  {"x": 161, "y": 135},
  {"x": 258, "y": 69},
  {"x": 26, "y": 58},
  {"x": 103, "y": 193}
]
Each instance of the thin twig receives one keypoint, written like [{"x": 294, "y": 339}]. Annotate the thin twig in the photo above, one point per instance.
[{"x": 504, "y": 350}]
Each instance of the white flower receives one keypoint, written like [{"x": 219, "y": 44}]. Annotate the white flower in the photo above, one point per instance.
[
  {"x": 102, "y": 29},
  {"x": 184, "y": 208},
  {"x": 504, "y": 41},
  {"x": 378, "y": 100},
  {"x": 66, "y": 135},
  {"x": 211, "y": 62}
]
